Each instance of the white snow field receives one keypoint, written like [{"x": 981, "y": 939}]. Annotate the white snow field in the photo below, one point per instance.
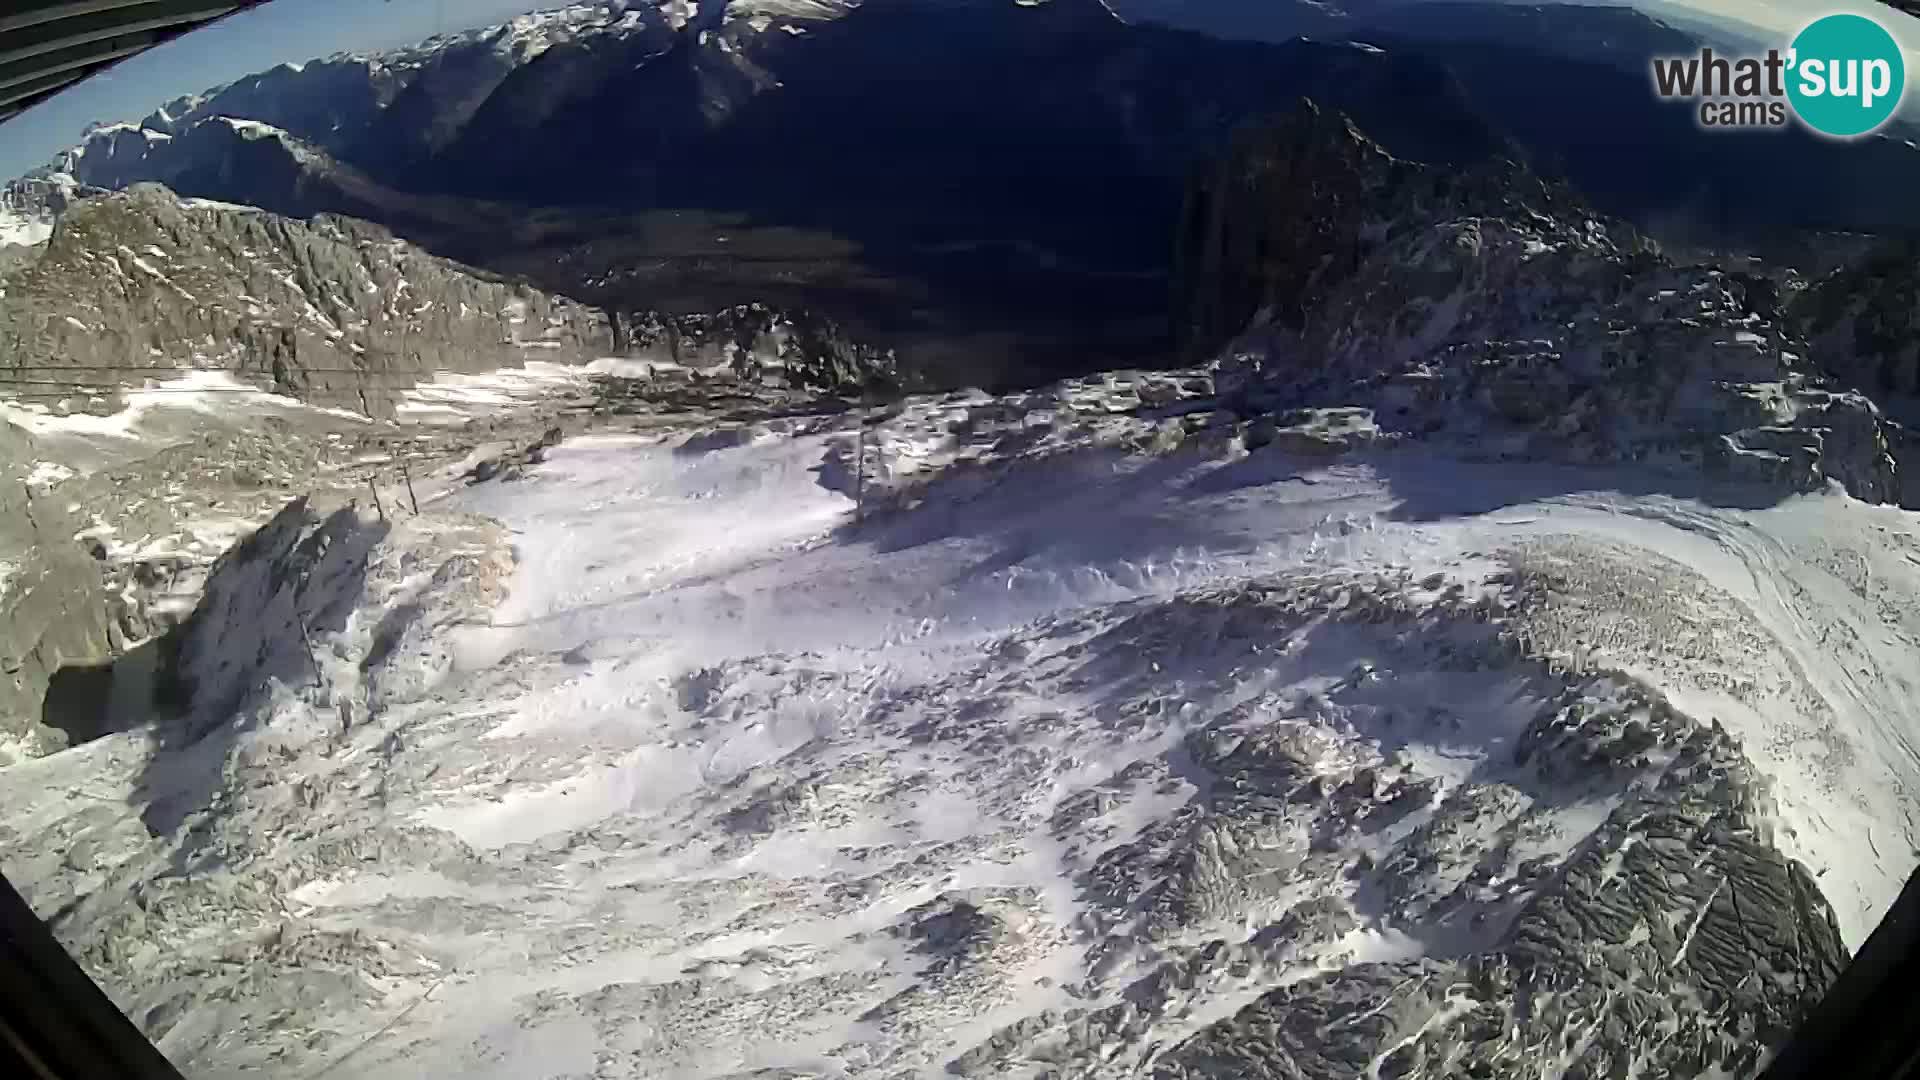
[
  {"x": 714, "y": 780},
  {"x": 1795, "y": 626}
]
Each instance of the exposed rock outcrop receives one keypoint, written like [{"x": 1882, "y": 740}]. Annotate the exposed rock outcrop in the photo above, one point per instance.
[
  {"x": 1296, "y": 207},
  {"x": 797, "y": 350},
  {"x": 297, "y": 577},
  {"x": 1676, "y": 915},
  {"x": 54, "y": 608}
]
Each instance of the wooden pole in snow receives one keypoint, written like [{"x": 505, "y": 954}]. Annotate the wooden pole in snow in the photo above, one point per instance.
[
  {"x": 860, "y": 470},
  {"x": 300, "y": 620},
  {"x": 408, "y": 476}
]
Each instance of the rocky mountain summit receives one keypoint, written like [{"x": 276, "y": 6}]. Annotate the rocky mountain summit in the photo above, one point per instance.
[
  {"x": 1498, "y": 314},
  {"x": 332, "y": 310}
]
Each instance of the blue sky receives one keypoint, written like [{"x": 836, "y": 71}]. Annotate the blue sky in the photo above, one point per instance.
[
  {"x": 275, "y": 33},
  {"x": 297, "y": 30}
]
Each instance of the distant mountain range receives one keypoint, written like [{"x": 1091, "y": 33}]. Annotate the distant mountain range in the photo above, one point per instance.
[{"x": 927, "y": 169}]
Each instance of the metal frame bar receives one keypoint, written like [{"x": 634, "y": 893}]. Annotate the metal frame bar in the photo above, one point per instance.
[{"x": 53, "y": 44}]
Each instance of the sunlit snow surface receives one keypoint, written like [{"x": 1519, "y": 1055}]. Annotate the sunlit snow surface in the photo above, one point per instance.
[
  {"x": 668, "y": 563},
  {"x": 156, "y": 414},
  {"x": 23, "y": 229},
  {"x": 720, "y": 764}
]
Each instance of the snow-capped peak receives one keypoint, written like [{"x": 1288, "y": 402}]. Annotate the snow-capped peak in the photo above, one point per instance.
[
  {"x": 527, "y": 36},
  {"x": 796, "y": 10},
  {"x": 251, "y": 129}
]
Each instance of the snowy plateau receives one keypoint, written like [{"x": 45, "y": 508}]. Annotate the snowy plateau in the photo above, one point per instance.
[{"x": 1072, "y": 753}]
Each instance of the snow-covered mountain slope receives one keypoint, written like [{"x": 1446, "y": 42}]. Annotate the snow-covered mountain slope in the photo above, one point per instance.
[
  {"x": 1106, "y": 754},
  {"x": 339, "y": 95},
  {"x": 172, "y": 371},
  {"x": 437, "y": 84},
  {"x": 109, "y": 523}
]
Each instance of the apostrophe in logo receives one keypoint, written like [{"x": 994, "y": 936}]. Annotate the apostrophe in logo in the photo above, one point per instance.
[
  {"x": 1844, "y": 76},
  {"x": 1847, "y": 75}
]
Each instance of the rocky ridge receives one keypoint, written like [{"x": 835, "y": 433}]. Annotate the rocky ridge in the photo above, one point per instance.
[
  {"x": 173, "y": 371},
  {"x": 253, "y": 163},
  {"x": 334, "y": 311},
  {"x": 1496, "y": 314}
]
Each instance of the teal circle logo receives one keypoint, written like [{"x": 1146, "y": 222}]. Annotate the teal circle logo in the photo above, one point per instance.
[{"x": 1846, "y": 76}]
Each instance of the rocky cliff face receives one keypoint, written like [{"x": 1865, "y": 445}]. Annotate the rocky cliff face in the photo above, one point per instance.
[
  {"x": 1865, "y": 319},
  {"x": 1295, "y": 208},
  {"x": 55, "y": 609},
  {"x": 332, "y": 310},
  {"x": 1498, "y": 314},
  {"x": 1864, "y": 322},
  {"x": 296, "y": 577}
]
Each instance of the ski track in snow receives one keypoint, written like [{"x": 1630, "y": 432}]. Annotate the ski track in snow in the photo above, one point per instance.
[{"x": 688, "y": 629}]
